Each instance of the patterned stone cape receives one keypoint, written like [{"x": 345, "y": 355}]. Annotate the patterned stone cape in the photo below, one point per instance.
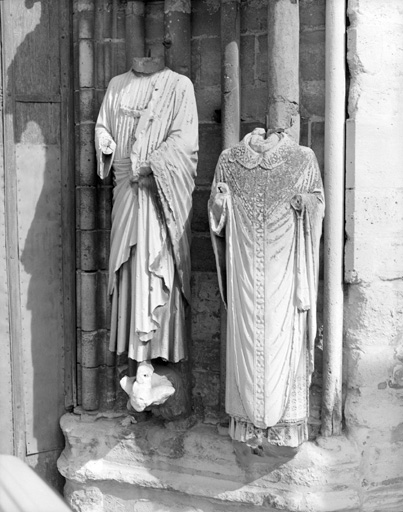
[
  {"x": 149, "y": 123},
  {"x": 267, "y": 256}
]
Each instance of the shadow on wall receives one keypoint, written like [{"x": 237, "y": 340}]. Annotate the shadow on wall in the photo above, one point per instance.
[{"x": 34, "y": 73}]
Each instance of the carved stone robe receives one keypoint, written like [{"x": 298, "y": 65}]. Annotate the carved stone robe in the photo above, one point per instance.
[
  {"x": 267, "y": 256},
  {"x": 149, "y": 121}
]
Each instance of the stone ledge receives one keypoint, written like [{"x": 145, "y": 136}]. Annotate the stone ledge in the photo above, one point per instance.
[{"x": 109, "y": 457}]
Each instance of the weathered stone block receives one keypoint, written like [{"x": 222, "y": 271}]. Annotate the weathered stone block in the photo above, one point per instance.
[
  {"x": 119, "y": 57},
  {"x": 378, "y": 410},
  {"x": 107, "y": 387},
  {"x": 366, "y": 168},
  {"x": 373, "y": 212},
  {"x": 86, "y": 204},
  {"x": 312, "y": 13},
  {"x": 261, "y": 59},
  {"x": 103, "y": 241},
  {"x": 209, "y": 152},
  {"x": 99, "y": 96},
  {"x": 121, "y": 21},
  {"x": 369, "y": 366},
  {"x": 207, "y": 388},
  {"x": 374, "y": 314},
  {"x": 85, "y": 64},
  {"x": 206, "y": 322},
  {"x": 206, "y": 354},
  {"x": 103, "y": 304},
  {"x": 369, "y": 258},
  {"x": 205, "y": 18},
  {"x": 206, "y": 304},
  {"x": 86, "y": 151},
  {"x": 195, "y": 62},
  {"x": 200, "y": 219},
  {"x": 86, "y": 25},
  {"x": 247, "y": 60},
  {"x": 95, "y": 349},
  {"x": 312, "y": 55},
  {"x": 253, "y": 16},
  {"x": 85, "y": 105},
  {"x": 154, "y": 15},
  {"x": 88, "y": 349},
  {"x": 312, "y": 98},
  {"x": 89, "y": 393},
  {"x": 83, "y": 5},
  {"x": 202, "y": 255},
  {"x": 88, "y": 250},
  {"x": 88, "y": 304},
  {"x": 304, "y": 137},
  {"x": 208, "y": 100},
  {"x": 104, "y": 198},
  {"x": 253, "y": 104},
  {"x": 172, "y": 466},
  {"x": 210, "y": 68}
]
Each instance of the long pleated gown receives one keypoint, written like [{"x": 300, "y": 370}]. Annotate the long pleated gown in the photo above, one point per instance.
[
  {"x": 152, "y": 119},
  {"x": 268, "y": 258}
]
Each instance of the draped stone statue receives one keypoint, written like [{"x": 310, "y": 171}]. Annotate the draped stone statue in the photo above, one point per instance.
[
  {"x": 265, "y": 212},
  {"x": 147, "y": 133}
]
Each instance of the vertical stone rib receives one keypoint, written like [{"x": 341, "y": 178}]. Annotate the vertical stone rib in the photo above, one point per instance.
[
  {"x": 230, "y": 72},
  {"x": 87, "y": 223},
  {"x": 135, "y": 30},
  {"x": 283, "y": 66},
  {"x": 334, "y": 219},
  {"x": 177, "y": 35}
]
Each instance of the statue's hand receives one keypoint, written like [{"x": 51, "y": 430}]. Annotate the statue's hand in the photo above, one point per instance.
[
  {"x": 297, "y": 202},
  {"x": 222, "y": 188},
  {"x": 107, "y": 145}
]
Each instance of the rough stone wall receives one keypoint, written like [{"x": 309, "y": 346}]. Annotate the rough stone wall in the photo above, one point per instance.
[
  {"x": 205, "y": 350},
  {"x": 373, "y": 362}
]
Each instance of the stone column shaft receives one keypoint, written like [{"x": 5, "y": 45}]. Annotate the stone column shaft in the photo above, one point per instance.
[
  {"x": 283, "y": 65},
  {"x": 134, "y": 30},
  {"x": 334, "y": 218},
  {"x": 230, "y": 69},
  {"x": 177, "y": 35}
]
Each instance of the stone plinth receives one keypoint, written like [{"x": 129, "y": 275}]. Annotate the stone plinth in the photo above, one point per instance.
[{"x": 111, "y": 465}]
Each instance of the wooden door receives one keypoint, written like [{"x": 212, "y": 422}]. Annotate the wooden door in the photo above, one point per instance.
[{"x": 37, "y": 235}]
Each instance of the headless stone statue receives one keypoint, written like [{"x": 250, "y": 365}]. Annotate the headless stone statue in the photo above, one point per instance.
[
  {"x": 147, "y": 133},
  {"x": 265, "y": 212}
]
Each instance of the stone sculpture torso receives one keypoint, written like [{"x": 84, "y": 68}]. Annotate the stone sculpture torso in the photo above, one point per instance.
[{"x": 268, "y": 279}]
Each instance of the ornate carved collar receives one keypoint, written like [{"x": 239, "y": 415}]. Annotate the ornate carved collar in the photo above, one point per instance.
[{"x": 248, "y": 158}]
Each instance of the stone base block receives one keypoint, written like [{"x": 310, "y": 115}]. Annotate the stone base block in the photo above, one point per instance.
[{"x": 113, "y": 465}]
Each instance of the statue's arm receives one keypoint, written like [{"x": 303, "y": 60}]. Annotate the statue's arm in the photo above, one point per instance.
[
  {"x": 182, "y": 137},
  {"x": 105, "y": 146},
  {"x": 218, "y": 208},
  {"x": 313, "y": 199}
]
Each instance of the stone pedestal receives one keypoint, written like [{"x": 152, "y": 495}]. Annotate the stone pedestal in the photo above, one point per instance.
[{"x": 112, "y": 465}]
